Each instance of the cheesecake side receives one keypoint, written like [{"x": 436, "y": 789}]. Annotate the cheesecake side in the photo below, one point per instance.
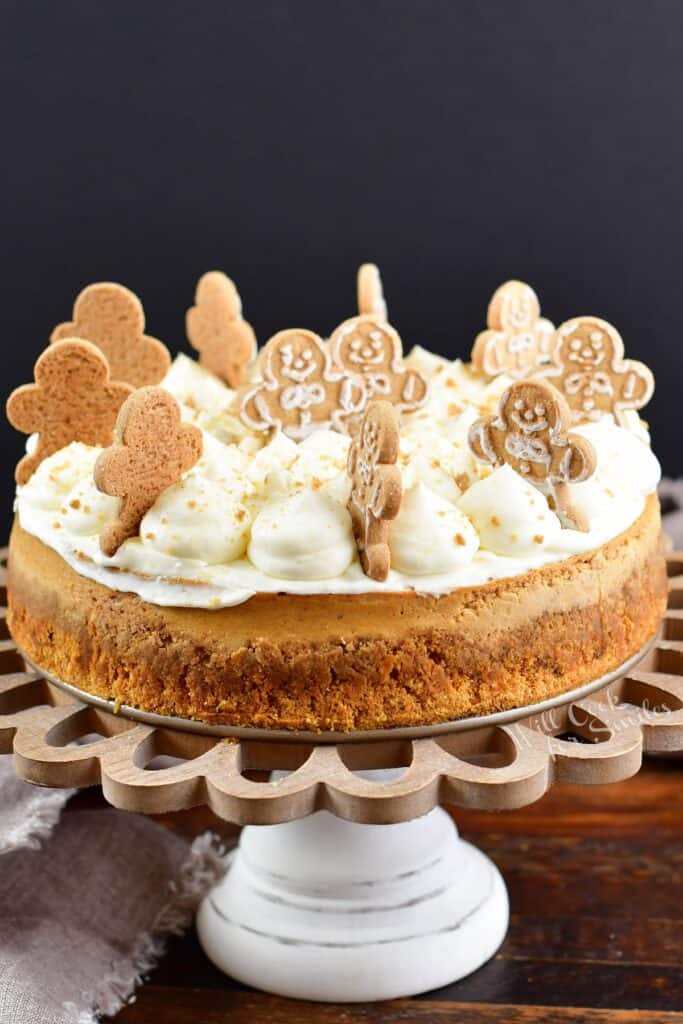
[{"x": 345, "y": 662}]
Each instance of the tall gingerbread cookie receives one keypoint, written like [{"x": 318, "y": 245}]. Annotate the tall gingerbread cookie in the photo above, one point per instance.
[
  {"x": 589, "y": 368},
  {"x": 372, "y": 349},
  {"x": 299, "y": 391},
  {"x": 371, "y": 300},
  {"x": 517, "y": 339},
  {"x": 216, "y": 329},
  {"x": 111, "y": 317},
  {"x": 72, "y": 399},
  {"x": 376, "y": 487},
  {"x": 152, "y": 451},
  {"x": 530, "y": 433}
]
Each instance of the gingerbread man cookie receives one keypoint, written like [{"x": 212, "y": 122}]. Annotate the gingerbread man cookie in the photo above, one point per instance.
[
  {"x": 518, "y": 337},
  {"x": 376, "y": 487},
  {"x": 530, "y": 432},
  {"x": 589, "y": 368},
  {"x": 152, "y": 451},
  {"x": 215, "y": 328},
  {"x": 111, "y": 317},
  {"x": 371, "y": 349},
  {"x": 370, "y": 293},
  {"x": 299, "y": 391},
  {"x": 72, "y": 399}
]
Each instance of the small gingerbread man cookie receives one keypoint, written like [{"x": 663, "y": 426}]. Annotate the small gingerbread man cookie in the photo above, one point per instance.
[
  {"x": 152, "y": 451},
  {"x": 111, "y": 317},
  {"x": 370, "y": 292},
  {"x": 518, "y": 337},
  {"x": 530, "y": 433},
  {"x": 299, "y": 391},
  {"x": 369, "y": 348},
  {"x": 215, "y": 328},
  {"x": 72, "y": 399},
  {"x": 589, "y": 368},
  {"x": 376, "y": 487}
]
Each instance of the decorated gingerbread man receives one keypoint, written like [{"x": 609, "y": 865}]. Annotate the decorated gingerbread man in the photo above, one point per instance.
[
  {"x": 376, "y": 488},
  {"x": 530, "y": 433},
  {"x": 215, "y": 328},
  {"x": 72, "y": 399},
  {"x": 300, "y": 392},
  {"x": 518, "y": 337},
  {"x": 152, "y": 451},
  {"x": 589, "y": 368},
  {"x": 372, "y": 349},
  {"x": 111, "y": 317}
]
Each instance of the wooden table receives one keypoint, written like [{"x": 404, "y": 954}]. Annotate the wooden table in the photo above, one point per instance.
[{"x": 595, "y": 876}]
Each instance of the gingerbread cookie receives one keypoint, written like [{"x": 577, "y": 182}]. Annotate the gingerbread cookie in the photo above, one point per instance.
[
  {"x": 299, "y": 391},
  {"x": 371, "y": 349},
  {"x": 530, "y": 433},
  {"x": 152, "y": 451},
  {"x": 370, "y": 293},
  {"x": 376, "y": 488},
  {"x": 111, "y": 317},
  {"x": 215, "y": 328},
  {"x": 72, "y": 399},
  {"x": 518, "y": 337},
  {"x": 589, "y": 368}
]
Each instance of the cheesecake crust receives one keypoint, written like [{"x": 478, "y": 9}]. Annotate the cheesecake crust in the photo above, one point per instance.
[{"x": 339, "y": 661}]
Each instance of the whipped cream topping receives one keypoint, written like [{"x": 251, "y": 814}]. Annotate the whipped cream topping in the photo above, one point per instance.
[
  {"x": 510, "y": 515},
  {"x": 257, "y": 515},
  {"x": 430, "y": 535},
  {"x": 302, "y": 536}
]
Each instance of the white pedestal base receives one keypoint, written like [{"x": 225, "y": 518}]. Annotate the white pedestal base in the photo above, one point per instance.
[{"x": 329, "y": 910}]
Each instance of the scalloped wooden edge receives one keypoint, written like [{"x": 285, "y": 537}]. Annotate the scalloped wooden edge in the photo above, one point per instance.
[{"x": 491, "y": 768}]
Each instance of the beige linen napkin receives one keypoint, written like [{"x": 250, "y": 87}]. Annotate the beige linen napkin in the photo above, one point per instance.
[{"x": 86, "y": 902}]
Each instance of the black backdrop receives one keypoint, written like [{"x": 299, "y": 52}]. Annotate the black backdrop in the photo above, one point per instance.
[{"x": 455, "y": 143}]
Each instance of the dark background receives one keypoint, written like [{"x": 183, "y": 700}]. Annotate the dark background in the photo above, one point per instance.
[{"x": 455, "y": 143}]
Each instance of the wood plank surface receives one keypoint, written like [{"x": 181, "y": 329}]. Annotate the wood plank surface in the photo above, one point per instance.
[{"x": 201, "y": 1007}]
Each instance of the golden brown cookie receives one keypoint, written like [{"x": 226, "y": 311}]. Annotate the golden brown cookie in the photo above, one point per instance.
[
  {"x": 111, "y": 317},
  {"x": 72, "y": 399},
  {"x": 370, "y": 292},
  {"x": 369, "y": 348},
  {"x": 518, "y": 337},
  {"x": 376, "y": 487},
  {"x": 215, "y": 328},
  {"x": 299, "y": 391},
  {"x": 589, "y": 368},
  {"x": 530, "y": 433},
  {"x": 152, "y": 451}
]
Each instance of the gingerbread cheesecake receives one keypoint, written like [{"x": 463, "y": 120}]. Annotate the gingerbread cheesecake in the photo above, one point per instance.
[{"x": 327, "y": 535}]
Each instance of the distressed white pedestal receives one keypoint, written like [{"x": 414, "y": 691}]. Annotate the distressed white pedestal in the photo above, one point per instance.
[{"x": 330, "y": 910}]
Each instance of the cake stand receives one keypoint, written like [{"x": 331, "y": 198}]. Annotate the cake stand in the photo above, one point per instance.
[{"x": 350, "y": 882}]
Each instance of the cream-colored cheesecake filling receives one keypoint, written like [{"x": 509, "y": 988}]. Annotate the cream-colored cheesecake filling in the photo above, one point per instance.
[{"x": 270, "y": 516}]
